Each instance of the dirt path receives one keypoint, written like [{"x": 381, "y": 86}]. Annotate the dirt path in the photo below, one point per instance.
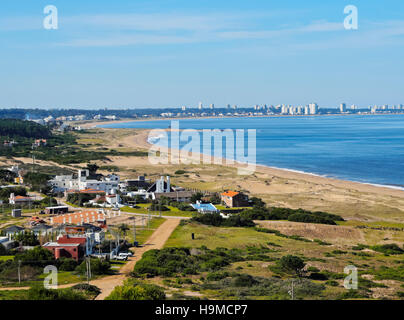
[
  {"x": 156, "y": 241},
  {"x": 107, "y": 284}
]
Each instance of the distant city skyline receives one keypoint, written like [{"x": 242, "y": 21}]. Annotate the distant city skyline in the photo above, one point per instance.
[{"x": 176, "y": 53}]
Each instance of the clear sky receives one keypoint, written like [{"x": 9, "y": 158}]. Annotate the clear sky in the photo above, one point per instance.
[{"x": 163, "y": 53}]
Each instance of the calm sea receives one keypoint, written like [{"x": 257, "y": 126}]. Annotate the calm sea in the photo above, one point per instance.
[{"x": 367, "y": 148}]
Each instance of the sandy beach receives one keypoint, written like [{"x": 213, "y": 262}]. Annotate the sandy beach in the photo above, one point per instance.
[
  {"x": 140, "y": 140},
  {"x": 278, "y": 187}
]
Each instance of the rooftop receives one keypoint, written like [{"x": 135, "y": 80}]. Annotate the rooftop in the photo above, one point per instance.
[{"x": 230, "y": 193}]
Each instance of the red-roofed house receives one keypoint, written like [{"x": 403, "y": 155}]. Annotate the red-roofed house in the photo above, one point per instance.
[
  {"x": 68, "y": 246},
  {"x": 19, "y": 199},
  {"x": 234, "y": 199}
]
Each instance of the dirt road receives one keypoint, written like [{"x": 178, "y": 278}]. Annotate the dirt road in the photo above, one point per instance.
[{"x": 156, "y": 241}]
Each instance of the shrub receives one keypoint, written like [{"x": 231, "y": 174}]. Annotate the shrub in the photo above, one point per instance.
[
  {"x": 216, "y": 220},
  {"x": 132, "y": 290},
  {"x": 360, "y": 247},
  {"x": 172, "y": 261},
  {"x": 259, "y": 212},
  {"x": 385, "y": 273},
  {"x": 332, "y": 283},
  {"x": 310, "y": 218},
  {"x": 391, "y": 248},
  {"x": 353, "y": 294},
  {"x": 216, "y": 276},
  {"x": 41, "y": 293},
  {"x": 67, "y": 264},
  {"x": 318, "y": 276},
  {"x": 313, "y": 269},
  {"x": 244, "y": 280},
  {"x": 87, "y": 288}
]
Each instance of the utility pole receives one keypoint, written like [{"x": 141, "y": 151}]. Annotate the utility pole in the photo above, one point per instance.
[
  {"x": 134, "y": 230},
  {"x": 88, "y": 267},
  {"x": 19, "y": 271}
]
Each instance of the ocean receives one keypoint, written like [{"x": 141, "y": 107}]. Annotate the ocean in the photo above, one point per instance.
[{"x": 362, "y": 148}]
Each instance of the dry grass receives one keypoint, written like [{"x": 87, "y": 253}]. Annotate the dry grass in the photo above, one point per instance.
[{"x": 338, "y": 234}]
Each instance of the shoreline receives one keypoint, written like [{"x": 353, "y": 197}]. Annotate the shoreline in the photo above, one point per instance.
[
  {"x": 91, "y": 124},
  {"x": 140, "y": 140}
]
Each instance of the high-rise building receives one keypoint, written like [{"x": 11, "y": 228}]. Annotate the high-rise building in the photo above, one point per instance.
[
  {"x": 200, "y": 106},
  {"x": 184, "y": 108},
  {"x": 284, "y": 109},
  {"x": 313, "y": 108},
  {"x": 212, "y": 106},
  {"x": 342, "y": 107}
]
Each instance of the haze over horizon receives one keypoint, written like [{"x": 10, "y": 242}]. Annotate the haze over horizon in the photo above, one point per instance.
[{"x": 171, "y": 53}]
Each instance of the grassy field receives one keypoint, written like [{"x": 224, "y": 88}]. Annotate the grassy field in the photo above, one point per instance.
[
  {"x": 174, "y": 212},
  {"x": 326, "y": 257}
]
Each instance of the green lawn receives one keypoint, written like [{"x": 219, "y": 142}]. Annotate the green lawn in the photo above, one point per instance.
[{"x": 175, "y": 212}]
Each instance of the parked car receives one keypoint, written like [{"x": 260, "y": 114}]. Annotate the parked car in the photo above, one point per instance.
[{"x": 125, "y": 254}]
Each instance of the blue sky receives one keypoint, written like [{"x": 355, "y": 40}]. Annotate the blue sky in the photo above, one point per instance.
[{"x": 172, "y": 53}]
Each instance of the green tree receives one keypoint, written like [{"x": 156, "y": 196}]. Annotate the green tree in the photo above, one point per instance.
[
  {"x": 292, "y": 265},
  {"x": 196, "y": 197},
  {"x": 257, "y": 202},
  {"x": 92, "y": 168},
  {"x": 215, "y": 199},
  {"x": 98, "y": 267},
  {"x": 27, "y": 238},
  {"x": 35, "y": 257},
  {"x": 123, "y": 228}
]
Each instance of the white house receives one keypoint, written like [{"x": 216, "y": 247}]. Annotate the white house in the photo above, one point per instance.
[{"x": 67, "y": 182}]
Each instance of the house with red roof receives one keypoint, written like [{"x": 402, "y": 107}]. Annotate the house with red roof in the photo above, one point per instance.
[
  {"x": 19, "y": 199},
  {"x": 68, "y": 246},
  {"x": 234, "y": 199}
]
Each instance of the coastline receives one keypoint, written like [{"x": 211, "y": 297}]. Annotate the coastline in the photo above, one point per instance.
[
  {"x": 140, "y": 140},
  {"x": 95, "y": 124}
]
